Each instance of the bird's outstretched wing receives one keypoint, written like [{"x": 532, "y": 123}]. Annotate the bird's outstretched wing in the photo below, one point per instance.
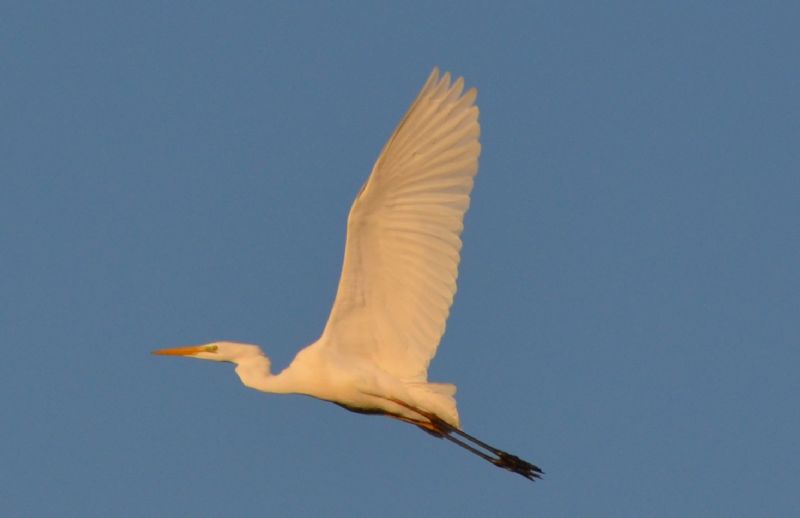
[{"x": 403, "y": 245}]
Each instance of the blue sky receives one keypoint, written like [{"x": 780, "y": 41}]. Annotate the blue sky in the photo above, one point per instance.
[{"x": 627, "y": 315}]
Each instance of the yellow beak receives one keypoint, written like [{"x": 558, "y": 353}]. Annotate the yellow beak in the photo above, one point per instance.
[{"x": 181, "y": 351}]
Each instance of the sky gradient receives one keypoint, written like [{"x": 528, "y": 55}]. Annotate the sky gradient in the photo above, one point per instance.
[{"x": 627, "y": 315}]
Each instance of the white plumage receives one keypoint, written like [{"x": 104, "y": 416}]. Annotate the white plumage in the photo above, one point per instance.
[
  {"x": 403, "y": 244},
  {"x": 398, "y": 281}
]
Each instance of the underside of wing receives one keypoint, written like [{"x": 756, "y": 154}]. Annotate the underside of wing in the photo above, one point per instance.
[{"x": 403, "y": 235}]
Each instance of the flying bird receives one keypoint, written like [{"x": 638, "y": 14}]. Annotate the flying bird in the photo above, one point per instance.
[{"x": 397, "y": 284}]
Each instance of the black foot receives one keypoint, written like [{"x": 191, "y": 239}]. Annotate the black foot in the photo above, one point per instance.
[{"x": 516, "y": 465}]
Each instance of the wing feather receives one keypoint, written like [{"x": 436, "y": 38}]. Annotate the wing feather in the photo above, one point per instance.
[{"x": 403, "y": 235}]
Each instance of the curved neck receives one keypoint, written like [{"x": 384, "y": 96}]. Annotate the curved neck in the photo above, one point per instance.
[{"x": 254, "y": 371}]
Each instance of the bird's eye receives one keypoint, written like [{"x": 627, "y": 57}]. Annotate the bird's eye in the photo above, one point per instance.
[{"x": 211, "y": 349}]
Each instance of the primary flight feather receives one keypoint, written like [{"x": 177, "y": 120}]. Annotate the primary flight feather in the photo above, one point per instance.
[{"x": 398, "y": 281}]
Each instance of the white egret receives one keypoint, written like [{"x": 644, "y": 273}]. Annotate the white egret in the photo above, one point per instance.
[{"x": 398, "y": 280}]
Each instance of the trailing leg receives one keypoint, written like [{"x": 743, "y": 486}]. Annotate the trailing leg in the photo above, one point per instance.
[{"x": 437, "y": 427}]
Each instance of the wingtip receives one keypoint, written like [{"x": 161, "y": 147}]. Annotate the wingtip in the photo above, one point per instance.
[
  {"x": 433, "y": 77},
  {"x": 445, "y": 81}
]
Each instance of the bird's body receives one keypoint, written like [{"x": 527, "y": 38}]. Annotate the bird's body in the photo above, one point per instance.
[
  {"x": 324, "y": 373},
  {"x": 398, "y": 281}
]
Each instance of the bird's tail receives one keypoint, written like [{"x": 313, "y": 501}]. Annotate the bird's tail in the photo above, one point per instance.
[{"x": 439, "y": 400}]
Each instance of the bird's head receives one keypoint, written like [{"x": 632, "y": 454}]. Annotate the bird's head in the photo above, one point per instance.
[{"x": 216, "y": 351}]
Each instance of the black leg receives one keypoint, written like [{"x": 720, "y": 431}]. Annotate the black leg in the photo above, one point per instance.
[
  {"x": 504, "y": 459},
  {"x": 437, "y": 427}
]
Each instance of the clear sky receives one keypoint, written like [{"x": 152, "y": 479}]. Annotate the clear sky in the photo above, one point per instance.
[{"x": 174, "y": 173}]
